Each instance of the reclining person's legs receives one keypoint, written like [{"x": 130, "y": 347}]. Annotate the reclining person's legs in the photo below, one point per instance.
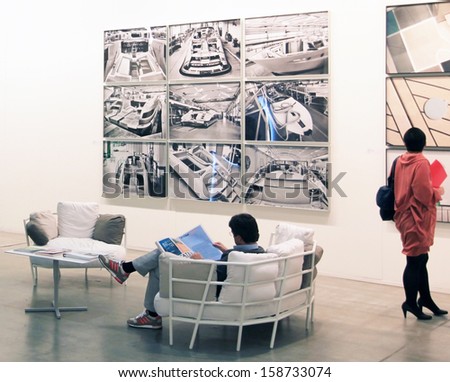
[{"x": 146, "y": 264}]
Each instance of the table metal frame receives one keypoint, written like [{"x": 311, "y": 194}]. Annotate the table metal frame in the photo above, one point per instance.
[
  {"x": 55, "y": 303},
  {"x": 56, "y": 278}
]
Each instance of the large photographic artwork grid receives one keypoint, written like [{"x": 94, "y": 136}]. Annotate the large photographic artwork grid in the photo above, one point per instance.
[
  {"x": 418, "y": 82},
  {"x": 232, "y": 111}
]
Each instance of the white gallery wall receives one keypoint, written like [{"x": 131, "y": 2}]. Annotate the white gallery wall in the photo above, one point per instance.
[{"x": 51, "y": 129}]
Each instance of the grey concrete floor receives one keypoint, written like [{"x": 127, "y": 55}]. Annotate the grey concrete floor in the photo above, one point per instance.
[{"x": 354, "y": 321}]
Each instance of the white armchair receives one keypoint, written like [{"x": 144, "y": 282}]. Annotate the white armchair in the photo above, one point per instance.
[
  {"x": 78, "y": 227},
  {"x": 259, "y": 288}
]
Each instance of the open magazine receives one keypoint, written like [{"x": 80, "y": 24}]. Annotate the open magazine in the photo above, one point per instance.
[
  {"x": 195, "y": 240},
  {"x": 40, "y": 250}
]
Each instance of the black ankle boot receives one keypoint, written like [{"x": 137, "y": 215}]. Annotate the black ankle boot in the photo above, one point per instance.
[
  {"x": 431, "y": 306},
  {"x": 414, "y": 310}
]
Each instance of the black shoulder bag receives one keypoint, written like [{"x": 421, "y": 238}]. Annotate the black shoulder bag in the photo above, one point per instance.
[{"x": 386, "y": 198}]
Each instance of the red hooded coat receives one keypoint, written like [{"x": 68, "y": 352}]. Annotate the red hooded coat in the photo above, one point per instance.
[{"x": 415, "y": 203}]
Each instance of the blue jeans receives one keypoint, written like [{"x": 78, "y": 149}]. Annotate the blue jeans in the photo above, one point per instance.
[{"x": 149, "y": 263}]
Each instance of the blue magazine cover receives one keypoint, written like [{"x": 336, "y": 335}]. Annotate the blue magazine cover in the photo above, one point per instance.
[{"x": 195, "y": 240}]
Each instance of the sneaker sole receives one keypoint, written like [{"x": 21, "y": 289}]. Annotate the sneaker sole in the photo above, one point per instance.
[
  {"x": 117, "y": 279},
  {"x": 144, "y": 326}
]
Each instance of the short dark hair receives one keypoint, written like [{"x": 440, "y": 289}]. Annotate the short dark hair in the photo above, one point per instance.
[
  {"x": 415, "y": 140},
  {"x": 245, "y": 226}
]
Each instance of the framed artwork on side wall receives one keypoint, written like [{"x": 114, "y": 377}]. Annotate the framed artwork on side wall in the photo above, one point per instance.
[
  {"x": 421, "y": 102},
  {"x": 418, "y": 38}
]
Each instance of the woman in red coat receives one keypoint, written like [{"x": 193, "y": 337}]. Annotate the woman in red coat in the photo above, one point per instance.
[{"x": 415, "y": 219}]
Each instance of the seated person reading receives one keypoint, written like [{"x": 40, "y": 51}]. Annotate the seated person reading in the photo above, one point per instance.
[{"x": 245, "y": 232}]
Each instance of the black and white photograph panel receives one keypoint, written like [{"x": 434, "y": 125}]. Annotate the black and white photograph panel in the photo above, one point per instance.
[
  {"x": 205, "y": 171},
  {"x": 286, "y": 176},
  {"x": 286, "y": 45},
  {"x": 202, "y": 50},
  {"x": 134, "y": 55},
  {"x": 421, "y": 102},
  {"x": 135, "y": 112},
  {"x": 418, "y": 38},
  {"x": 443, "y": 157},
  {"x": 134, "y": 169},
  {"x": 287, "y": 111},
  {"x": 158, "y": 43},
  {"x": 205, "y": 111}
]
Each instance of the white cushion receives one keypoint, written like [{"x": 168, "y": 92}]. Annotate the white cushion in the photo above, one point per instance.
[
  {"x": 112, "y": 251},
  {"x": 293, "y": 265},
  {"x": 77, "y": 219},
  {"x": 287, "y": 248},
  {"x": 286, "y": 231},
  {"x": 258, "y": 272}
]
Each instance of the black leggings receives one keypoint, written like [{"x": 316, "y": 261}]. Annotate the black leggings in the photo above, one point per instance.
[{"x": 415, "y": 279}]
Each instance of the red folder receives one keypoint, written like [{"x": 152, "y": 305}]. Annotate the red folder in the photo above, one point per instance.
[{"x": 438, "y": 174}]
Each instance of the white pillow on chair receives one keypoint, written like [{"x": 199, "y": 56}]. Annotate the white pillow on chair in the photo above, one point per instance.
[
  {"x": 259, "y": 272},
  {"x": 287, "y": 248},
  {"x": 294, "y": 265},
  {"x": 286, "y": 231},
  {"x": 76, "y": 219}
]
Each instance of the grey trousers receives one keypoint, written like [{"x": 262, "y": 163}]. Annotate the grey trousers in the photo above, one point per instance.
[{"x": 149, "y": 263}]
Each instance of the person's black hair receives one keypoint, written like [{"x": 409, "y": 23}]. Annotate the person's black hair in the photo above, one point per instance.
[
  {"x": 415, "y": 140},
  {"x": 245, "y": 226}
]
